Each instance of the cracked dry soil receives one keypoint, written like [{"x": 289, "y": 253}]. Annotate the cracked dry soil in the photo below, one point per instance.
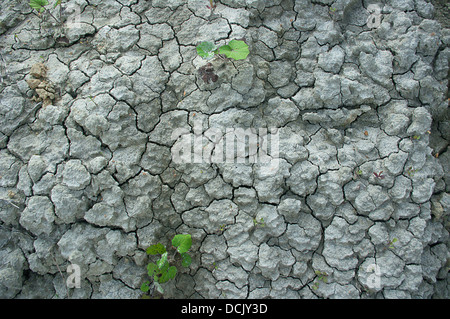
[{"x": 353, "y": 201}]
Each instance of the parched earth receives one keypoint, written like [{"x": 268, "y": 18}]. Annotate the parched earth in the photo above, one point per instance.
[{"x": 318, "y": 167}]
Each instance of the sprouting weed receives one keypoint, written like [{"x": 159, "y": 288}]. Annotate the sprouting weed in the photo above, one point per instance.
[
  {"x": 162, "y": 271},
  {"x": 259, "y": 223},
  {"x": 391, "y": 243},
  {"x": 92, "y": 99},
  {"x": 235, "y": 49},
  {"x": 40, "y": 6},
  {"x": 321, "y": 276},
  {"x": 221, "y": 228},
  {"x": 379, "y": 175}
]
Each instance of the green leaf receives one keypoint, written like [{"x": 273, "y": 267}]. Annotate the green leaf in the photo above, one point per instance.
[
  {"x": 236, "y": 49},
  {"x": 170, "y": 274},
  {"x": 145, "y": 286},
  {"x": 156, "y": 249},
  {"x": 183, "y": 242},
  {"x": 152, "y": 269},
  {"x": 186, "y": 259},
  {"x": 163, "y": 278},
  {"x": 226, "y": 49},
  {"x": 38, "y": 4},
  {"x": 57, "y": 3},
  {"x": 206, "y": 50}
]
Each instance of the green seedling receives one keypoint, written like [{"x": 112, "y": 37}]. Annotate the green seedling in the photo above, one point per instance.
[
  {"x": 162, "y": 271},
  {"x": 221, "y": 228},
  {"x": 235, "y": 49},
  {"x": 379, "y": 175},
  {"x": 391, "y": 243},
  {"x": 206, "y": 50},
  {"x": 40, "y": 6},
  {"x": 321, "y": 276},
  {"x": 92, "y": 99},
  {"x": 259, "y": 223},
  {"x": 416, "y": 137}
]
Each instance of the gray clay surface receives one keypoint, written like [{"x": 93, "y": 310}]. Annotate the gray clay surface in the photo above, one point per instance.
[{"x": 88, "y": 112}]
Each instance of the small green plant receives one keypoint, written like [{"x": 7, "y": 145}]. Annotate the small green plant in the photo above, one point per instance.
[
  {"x": 221, "y": 228},
  {"x": 162, "y": 271},
  {"x": 416, "y": 137},
  {"x": 321, "y": 276},
  {"x": 259, "y": 223},
  {"x": 358, "y": 172},
  {"x": 40, "y": 6},
  {"x": 92, "y": 99},
  {"x": 391, "y": 243},
  {"x": 235, "y": 49}
]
